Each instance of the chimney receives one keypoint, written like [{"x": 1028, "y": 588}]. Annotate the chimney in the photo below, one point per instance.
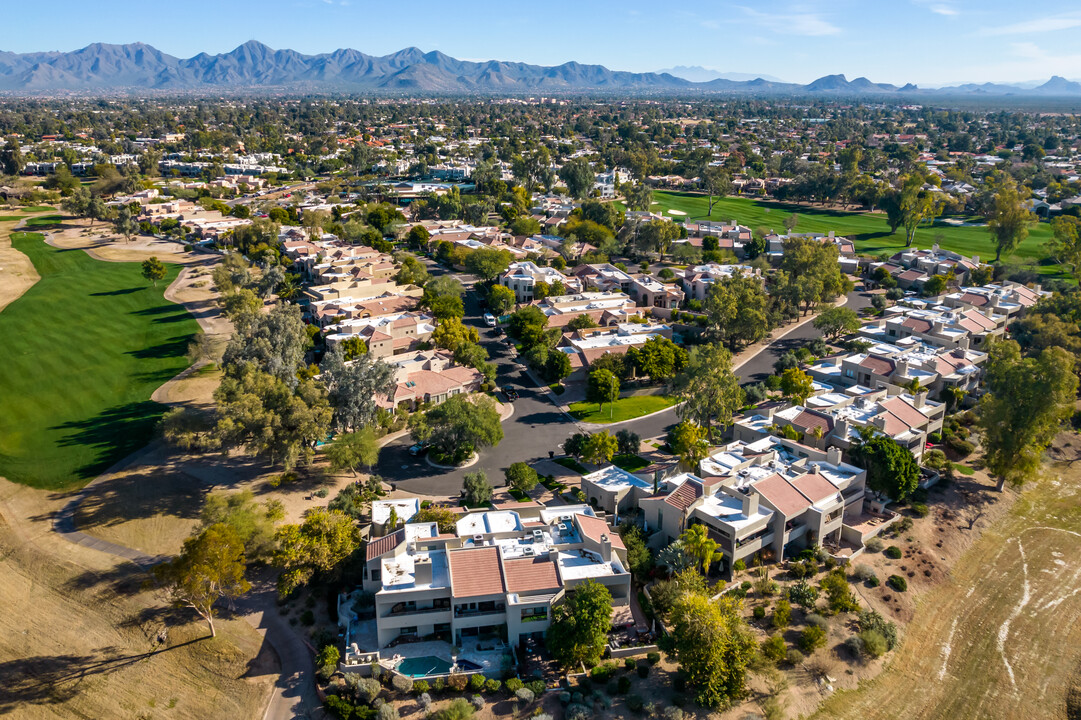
[
  {"x": 422, "y": 570},
  {"x": 921, "y": 397},
  {"x": 902, "y": 367},
  {"x": 750, "y": 504},
  {"x": 879, "y": 421},
  {"x": 606, "y": 549},
  {"x": 843, "y": 428},
  {"x": 994, "y": 300},
  {"x": 938, "y": 327},
  {"x": 833, "y": 454},
  {"x": 976, "y": 260}
]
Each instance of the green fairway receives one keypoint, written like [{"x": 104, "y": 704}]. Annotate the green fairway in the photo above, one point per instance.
[
  {"x": 11, "y": 218},
  {"x": 38, "y": 208},
  {"x": 85, "y": 348},
  {"x": 626, "y": 408},
  {"x": 869, "y": 230},
  {"x": 45, "y": 220}
]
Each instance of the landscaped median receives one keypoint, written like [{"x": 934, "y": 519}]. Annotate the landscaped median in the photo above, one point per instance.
[{"x": 625, "y": 408}]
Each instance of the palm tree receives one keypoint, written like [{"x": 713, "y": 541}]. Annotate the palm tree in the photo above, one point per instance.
[
  {"x": 699, "y": 544},
  {"x": 289, "y": 288}
]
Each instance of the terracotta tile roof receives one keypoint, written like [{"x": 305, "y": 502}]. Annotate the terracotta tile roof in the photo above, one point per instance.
[
  {"x": 974, "y": 299},
  {"x": 905, "y": 411},
  {"x": 475, "y": 571},
  {"x": 878, "y": 365},
  {"x": 594, "y": 527},
  {"x": 385, "y": 544},
  {"x": 917, "y": 325},
  {"x": 782, "y": 495},
  {"x": 527, "y": 575},
  {"x": 911, "y": 275},
  {"x": 684, "y": 496},
  {"x": 814, "y": 487},
  {"x": 980, "y": 319},
  {"x": 809, "y": 420}
]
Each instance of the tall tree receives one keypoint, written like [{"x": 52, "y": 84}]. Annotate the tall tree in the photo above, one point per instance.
[
  {"x": 317, "y": 545},
  {"x": 891, "y": 469},
  {"x": 1026, "y": 403},
  {"x": 916, "y": 204},
  {"x": 602, "y": 387},
  {"x": 124, "y": 223},
  {"x": 689, "y": 442},
  {"x": 600, "y": 448},
  {"x": 578, "y": 176},
  {"x": 209, "y": 568},
  {"x": 708, "y": 388},
  {"x": 1065, "y": 245},
  {"x": 1008, "y": 218},
  {"x": 700, "y": 545},
  {"x": 736, "y": 308},
  {"x": 354, "y": 448},
  {"x": 713, "y": 646},
  {"x": 717, "y": 183},
  {"x": 837, "y": 321},
  {"x": 796, "y": 385},
  {"x": 579, "y": 630},
  {"x": 355, "y": 388},
  {"x": 153, "y": 270}
]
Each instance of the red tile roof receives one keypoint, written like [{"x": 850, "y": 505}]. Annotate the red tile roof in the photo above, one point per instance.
[
  {"x": 814, "y": 487},
  {"x": 878, "y": 365},
  {"x": 385, "y": 544},
  {"x": 527, "y": 575},
  {"x": 594, "y": 527},
  {"x": 782, "y": 495},
  {"x": 475, "y": 572},
  {"x": 684, "y": 496}
]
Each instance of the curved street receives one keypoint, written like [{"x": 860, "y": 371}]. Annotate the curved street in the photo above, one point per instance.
[{"x": 538, "y": 426}]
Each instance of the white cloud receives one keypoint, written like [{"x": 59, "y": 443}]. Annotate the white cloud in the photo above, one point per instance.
[
  {"x": 945, "y": 10},
  {"x": 1052, "y": 23},
  {"x": 796, "y": 22}
]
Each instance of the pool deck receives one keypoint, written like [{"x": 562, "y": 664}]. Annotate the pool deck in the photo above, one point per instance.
[{"x": 490, "y": 661}]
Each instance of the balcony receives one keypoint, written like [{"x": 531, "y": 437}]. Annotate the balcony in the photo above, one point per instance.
[
  {"x": 400, "y": 611},
  {"x": 534, "y": 618},
  {"x": 463, "y": 612}
]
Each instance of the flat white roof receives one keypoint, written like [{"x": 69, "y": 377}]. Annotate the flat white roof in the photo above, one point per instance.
[
  {"x": 614, "y": 478},
  {"x": 729, "y": 510},
  {"x": 406, "y": 508},
  {"x": 557, "y": 513},
  {"x": 491, "y": 521},
  {"x": 398, "y": 572},
  {"x": 581, "y": 564}
]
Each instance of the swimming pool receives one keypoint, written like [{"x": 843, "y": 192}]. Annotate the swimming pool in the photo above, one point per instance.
[{"x": 424, "y": 666}]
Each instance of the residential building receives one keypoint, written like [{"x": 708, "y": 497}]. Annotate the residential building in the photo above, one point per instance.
[{"x": 522, "y": 277}]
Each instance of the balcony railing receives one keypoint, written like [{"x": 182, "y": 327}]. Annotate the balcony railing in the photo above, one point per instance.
[
  {"x": 417, "y": 611},
  {"x": 462, "y": 612},
  {"x": 534, "y": 618}
]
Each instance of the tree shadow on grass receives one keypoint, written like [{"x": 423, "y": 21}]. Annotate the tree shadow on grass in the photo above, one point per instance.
[
  {"x": 112, "y": 434},
  {"x": 125, "y": 291},
  {"x": 149, "y": 492},
  {"x": 55, "y": 679},
  {"x": 176, "y": 347}
]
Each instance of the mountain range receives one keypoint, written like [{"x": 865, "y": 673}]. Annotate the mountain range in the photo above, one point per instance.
[
  {"x": 138, "y": 67},
  {"x": 697, "y": 73}
]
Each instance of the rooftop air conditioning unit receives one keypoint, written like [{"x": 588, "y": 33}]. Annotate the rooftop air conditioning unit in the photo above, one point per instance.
[
  {"x": 562, "y": 527},
  {"x": 478, "y": 538},
  {"x": 528, "y": 552}
]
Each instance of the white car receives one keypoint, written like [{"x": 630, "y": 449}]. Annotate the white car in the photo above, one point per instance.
[{"x": 489, "y": 319}]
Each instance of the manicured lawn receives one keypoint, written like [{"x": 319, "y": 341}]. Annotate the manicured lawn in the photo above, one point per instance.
[
  {"x": 870, "y": 230},
  {"x": 11, "y": 218},
  {"x": 38, "y": 208},
  {"x": 963, "y": 469},
  {"x": 85, "y": 348},
  {"x": 45, "y": 220},
  {"x": 630, "y": 463},
  {"x": 626, "y": 408},
  {"x": 570, "y": 464}
]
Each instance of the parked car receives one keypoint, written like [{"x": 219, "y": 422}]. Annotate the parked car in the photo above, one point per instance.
[
  {"x": 489, "y": 320},
  {"x": 510, "y": 392},
  {"x": 418, "y": 449}
]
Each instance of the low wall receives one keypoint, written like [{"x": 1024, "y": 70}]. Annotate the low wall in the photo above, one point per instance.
[{"x": 620, "y": 653}]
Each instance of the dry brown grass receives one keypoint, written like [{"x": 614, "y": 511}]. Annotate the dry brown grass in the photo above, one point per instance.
[
  {"x": 17, "y": 273},
  {"x": 78, "y": 634}
]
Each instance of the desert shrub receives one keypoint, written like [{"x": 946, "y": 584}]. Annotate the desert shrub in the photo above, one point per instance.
[
  {"x": 812, "y": 638},
  {"x": 875, "y": 544},
  {"x": 653, "y": 657},
  {"x": 387, "y": 712},
  {"x": 628, "y": 663},
  {"x": 759, "y": 612},
  {"x": 893, "y": 552},
  {"x": 524, "y": 696},
  {"x": 425, "y": 701},
  {"x": 874, "y": 582},
  {"x": 564, "y": 698},
  {"x": 421, "y": 686},
  {"x": 635, "y": 703},
  {"x": 739, "y": 565},
  {"x": 960, "y": 446},
  {"x": 401, "y": 683},
  {"x": 478, "y": 702},
  {"x": 902, "y": 526},
  {"x": 602, "y": 672},
  {"x": 368, "y": 690},
  {"x": 476, "y": 682},
  {"x": 459, "y": 709},
  {"x": 782, "y": 614},
  {"x": 457, "y": 682},
  {"x": 897, "y": 582},
  {"x": 873, "y": 620},
  {"x": 514, "y": 685},
  {"x": 307, "y": 618},
  {"x": 577, "y": 697},
  {"x": 537, "y": 686},
  {"x": 439, "y": 685},
  {"x": 803, "y": 594},
  {"x": 854, "y": 645},
  {"x": 873, "y": 643},
  {"x": 578, "y": 712},
  {"x": 863, "y": 573},
  {"x": 746, "y": 585},
  {"x": 793, "y": 657},
  {"x": 624, "y": 685},
  {"x": 672, "y": 713},
  {"x": 491, "y": 685},
  {"x": 818, "y": 620},
  {"x": 920, "y": 509},
  {"x": 643, "y": 671},
  {"x": 774, "y": 648}
]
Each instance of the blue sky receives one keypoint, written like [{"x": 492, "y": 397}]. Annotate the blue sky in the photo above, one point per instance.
[{"x": 929, "y": 42}]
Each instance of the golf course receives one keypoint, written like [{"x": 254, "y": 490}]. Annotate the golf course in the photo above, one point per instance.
[
  {"x": 94, "y": 340},
  {"x": 870, "y": 231}
]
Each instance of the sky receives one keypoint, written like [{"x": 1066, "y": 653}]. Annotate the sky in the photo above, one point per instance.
[{"x": 928, "y": 42}]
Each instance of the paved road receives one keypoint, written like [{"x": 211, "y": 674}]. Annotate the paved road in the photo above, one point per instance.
[{"x": 538, "y": 426}]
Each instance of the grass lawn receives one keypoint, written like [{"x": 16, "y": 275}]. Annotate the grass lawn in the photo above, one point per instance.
[
  {"x": 570, "y": 464},
  {"x": 45, "y": 221},
  {"x": 626, "y": 408},
  {"x": 38, "y": 208},
  {"x": 87, "y": 345},
  {"x": 630, "y": 463},
  {"x": 11, "y": 218},
  {"x": 870, "y": 230},
  {"x": 963, "y": 469}
]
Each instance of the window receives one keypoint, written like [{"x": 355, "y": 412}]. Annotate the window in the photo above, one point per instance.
[
  {"x": 412, "y": 630},
  {"x": 375, "y": 575}
]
